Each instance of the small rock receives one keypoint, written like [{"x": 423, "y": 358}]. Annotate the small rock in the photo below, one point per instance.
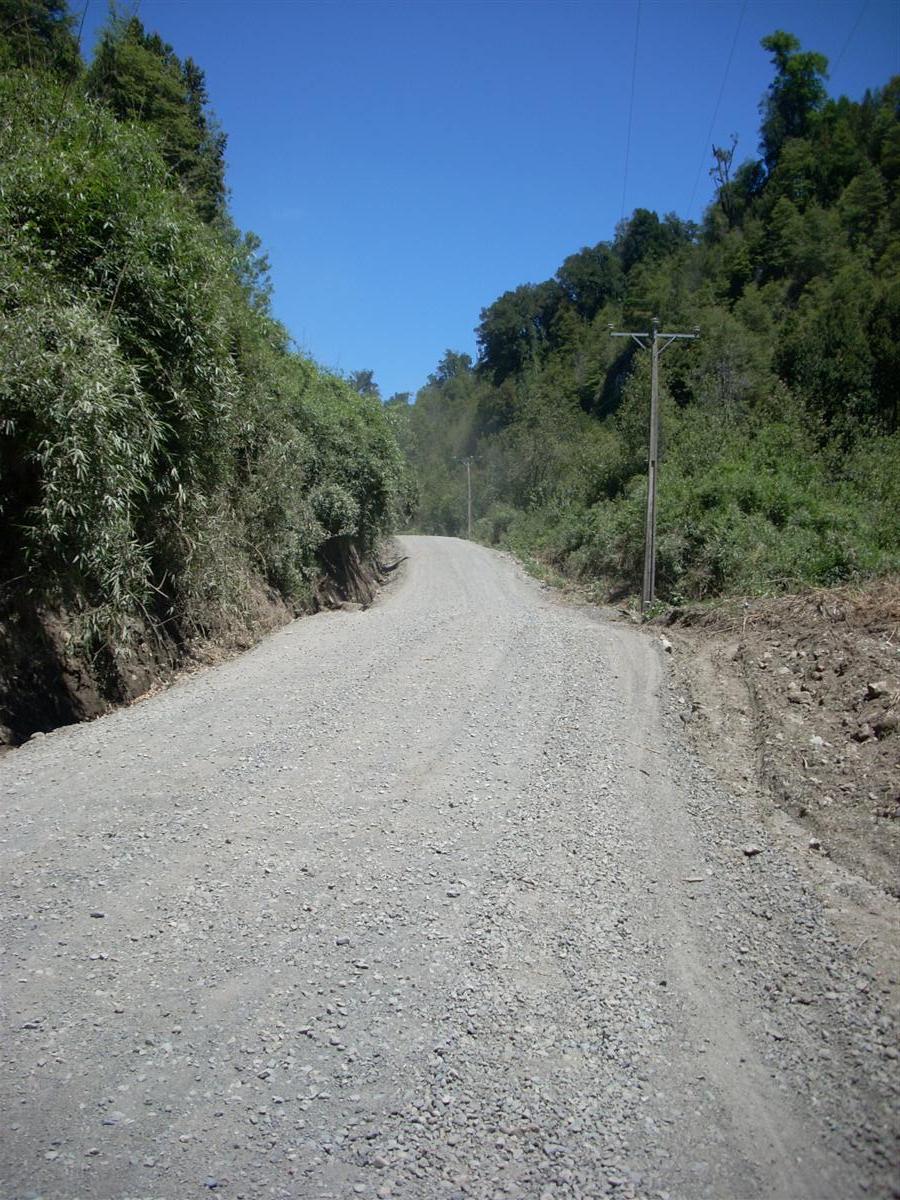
[
  {"x": 886, "y": 724},
  {"x": 453, "y": 893},
  {"x": 666, "y": 645},
  {"x": 97, "y": 914},
  {"x": 751, "y": 850},
  {"x": 875, "y": 691},
  {"x": 815, "y": 844}
]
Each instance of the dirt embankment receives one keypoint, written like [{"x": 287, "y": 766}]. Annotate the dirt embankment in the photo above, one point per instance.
[
  {"x": 47, "y": 679},
  {"x": 802, "y": 695}
]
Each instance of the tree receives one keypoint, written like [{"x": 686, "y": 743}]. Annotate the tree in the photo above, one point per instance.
[
  {"x": 363, "y": 383},
  {"x": 141, "y": 78},
  {"x": 251, "y": 266},
  {"x": 451, "y": 366},
  {"x": 795, "y": 95},
  {"x": 862, "y": 204},
  {"x": 591, "y": 278},
  {"x": 645, "y": 238},
  {"x": 516, "y": 327},
  {"x": 720, "y": 173},
  {"x": 38, "y": 34}
]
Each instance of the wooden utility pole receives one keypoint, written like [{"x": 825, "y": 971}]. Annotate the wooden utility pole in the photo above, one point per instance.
[
  {"x": 656, "y": 343},
  {"x": 468, "y": 462}
]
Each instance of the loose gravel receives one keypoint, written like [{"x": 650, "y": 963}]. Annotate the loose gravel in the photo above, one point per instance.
[{"x": 425, "y": 901}]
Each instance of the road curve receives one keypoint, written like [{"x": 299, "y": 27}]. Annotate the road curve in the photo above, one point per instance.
[{"x": 423, "y": 901}]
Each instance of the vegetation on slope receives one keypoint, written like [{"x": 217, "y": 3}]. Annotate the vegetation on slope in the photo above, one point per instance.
[
  {"x": 163, "y": 453},
  {"x": 780, "y": 425}
]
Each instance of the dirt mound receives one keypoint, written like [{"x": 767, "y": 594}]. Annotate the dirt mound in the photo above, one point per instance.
[{"x": 802, "y": 692}]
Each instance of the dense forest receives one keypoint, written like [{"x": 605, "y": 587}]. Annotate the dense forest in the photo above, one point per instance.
[
  {"x": 166, "y": 458},
  {"x": 780, "y": 463}
]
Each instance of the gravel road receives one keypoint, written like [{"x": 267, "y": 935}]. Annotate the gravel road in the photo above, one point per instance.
[{"x": 426, "y": 901}]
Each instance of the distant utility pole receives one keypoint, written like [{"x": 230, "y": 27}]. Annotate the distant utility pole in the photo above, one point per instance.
[
  {"x": 468, "y": 462},
  {"x": 656, "y": 343}
]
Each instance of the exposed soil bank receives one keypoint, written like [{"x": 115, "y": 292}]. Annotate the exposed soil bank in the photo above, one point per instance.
[
  {"x": 802, "y": 694},
  {"x": 48, "y": 680}
]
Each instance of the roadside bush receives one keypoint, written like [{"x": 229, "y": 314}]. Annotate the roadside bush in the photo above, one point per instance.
[
  {"x": 160, "y": 447},
  {"x": 78, "y": 442}
]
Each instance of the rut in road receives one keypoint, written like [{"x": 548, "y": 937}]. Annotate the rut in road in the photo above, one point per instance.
[{"x": 427, "y": 900}]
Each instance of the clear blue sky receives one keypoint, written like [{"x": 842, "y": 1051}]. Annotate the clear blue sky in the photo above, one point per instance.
[{"x": 406, "y": 162}]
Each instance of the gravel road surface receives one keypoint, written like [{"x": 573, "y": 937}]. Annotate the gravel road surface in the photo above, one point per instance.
[{"x": 424, "y": 901}]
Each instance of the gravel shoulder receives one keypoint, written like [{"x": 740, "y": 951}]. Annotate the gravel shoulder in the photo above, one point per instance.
[{"x": 431, "y": 899}]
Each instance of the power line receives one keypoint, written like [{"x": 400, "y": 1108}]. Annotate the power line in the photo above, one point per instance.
[
  {"x": 859, "y": 17},
  {"x": 68, "y": 83},
  {"x": 81, "y": 25},
  {"x": 637, "y": 27},
  {"x": 712, "y": 123}
]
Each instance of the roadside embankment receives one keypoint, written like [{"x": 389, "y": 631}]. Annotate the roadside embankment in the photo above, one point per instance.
[
  {"x": 802, "y": 695},
  {"x": 49, "y": 678}
]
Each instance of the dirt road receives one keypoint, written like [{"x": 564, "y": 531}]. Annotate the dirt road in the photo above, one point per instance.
[{"x": 423, "y": 901}]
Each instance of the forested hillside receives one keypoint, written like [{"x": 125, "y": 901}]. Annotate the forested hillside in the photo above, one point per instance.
[
  {"x": 169, "y": 468},
  {"x": 780, "y": 452}
]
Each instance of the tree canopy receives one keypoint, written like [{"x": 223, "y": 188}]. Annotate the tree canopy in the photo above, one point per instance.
[
  {"x": 780, "y": 430},
  {"x": 141, "y": 78},
  {"x": 39, "y": 35}
]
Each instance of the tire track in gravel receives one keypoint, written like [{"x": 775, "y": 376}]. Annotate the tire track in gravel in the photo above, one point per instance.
[{"x": 396, "y": 905}]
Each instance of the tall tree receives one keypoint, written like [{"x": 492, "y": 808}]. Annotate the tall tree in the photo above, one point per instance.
[
  {"x": 795, "y": 94},
  {"x": 515, "y": 328},
  {"x": 363, "y": 383},
  {"x": 591, "y": 278},
  {"x": 142, "y": 79},
  {"x": 38, "y": 34}
]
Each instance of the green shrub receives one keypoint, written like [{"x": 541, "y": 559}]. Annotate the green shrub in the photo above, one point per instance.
[{"x": 159, "y": 446}]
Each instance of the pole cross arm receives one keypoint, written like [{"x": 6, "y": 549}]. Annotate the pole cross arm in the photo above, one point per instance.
[
  {"x": 634, "y": 336},
  {"x": 668, "y": 338}
]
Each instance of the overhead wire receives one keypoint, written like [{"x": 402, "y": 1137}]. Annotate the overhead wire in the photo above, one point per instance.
[
  {"x": 637, "y": 29},
  {"x": 708, "y": 140},
  {"x": 849, "y": 38},
  {"x": 68, "y": 83},
  {"x": 81, "y": 25}
]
